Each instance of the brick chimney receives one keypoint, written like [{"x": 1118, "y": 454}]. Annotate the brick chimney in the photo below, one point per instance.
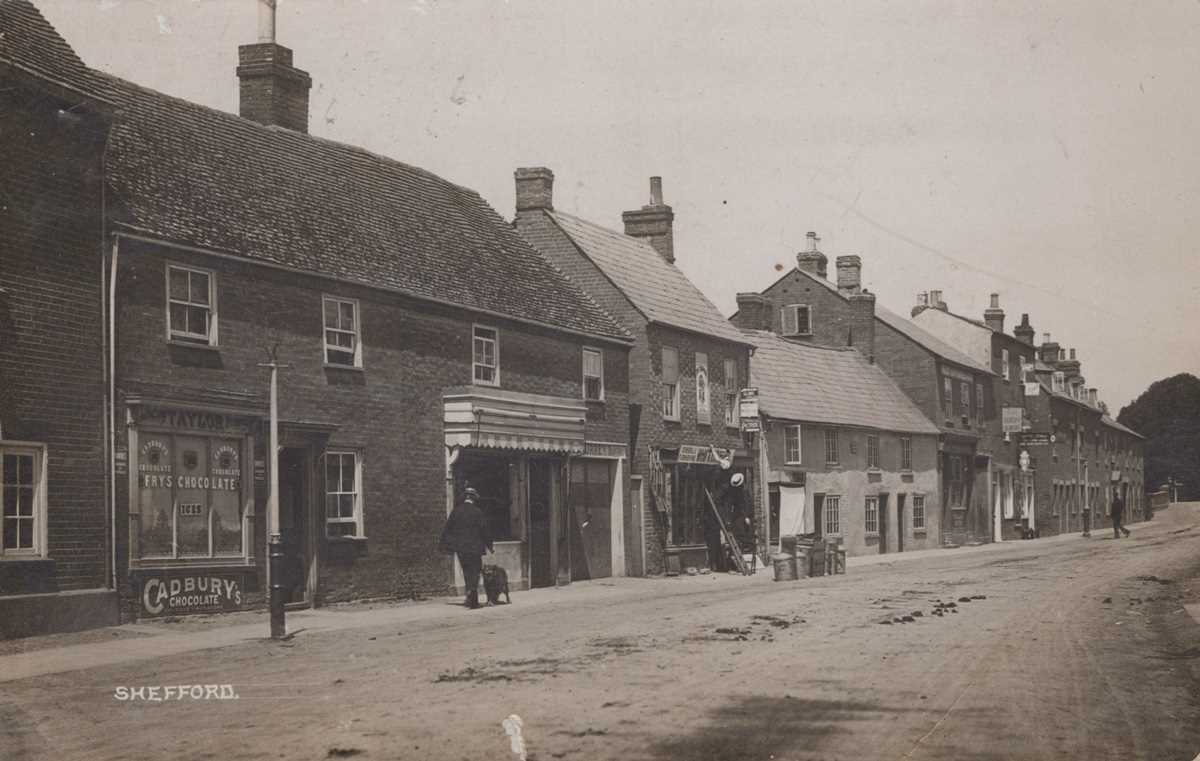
[
  {"x": 811, "y": 260},
  {"x": 935, "y": 301},
  {"x": 1093, "y": 397},
  {"x": 862, "y": 323},
  {"x": 654, "y": 222},
  {"x": 535, "y": 188},
  {"x": 1048, "y": 351},
  {"x": 1024, "y": 332},
  {"x": 922, "y": 303},
  {"x": 1070, "y": 366},
  {"x": 993, "y": 316},
  {"x": 273, "y": 92},
  {"x": 849, "y": 274},
  {"x": 754, "y": 312}
]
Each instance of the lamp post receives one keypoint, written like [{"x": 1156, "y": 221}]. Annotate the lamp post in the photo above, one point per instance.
[{"x": 275, "y": 540}]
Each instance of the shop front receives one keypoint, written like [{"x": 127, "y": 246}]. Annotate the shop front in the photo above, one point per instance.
[
  {"x": 691, "y": 479},
  {"x": 552, "y": 499}
]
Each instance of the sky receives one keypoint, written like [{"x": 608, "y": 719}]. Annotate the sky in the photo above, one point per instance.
[{"x": 1044, "y": 151}]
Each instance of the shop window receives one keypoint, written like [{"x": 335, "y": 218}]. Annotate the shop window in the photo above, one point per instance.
[
  {"x": 593, "y": 375},
  {"x": 703, "y": 411},
  {"x": 190, "y": 496},
  {"x": 670, "y": 383},
  {"x": 918, "y": 512},
  {"x": 831, "y": 446},
  {"x": 342, "y": 332},
  {"x": 796, "y": 320},
  {"x": 23, "y": 495},
  {"x": 832, "y": 519},
  {"x": 906, "y": 462},
  {"x": 493, "y": 477},
  {"x": 191, "y": 305},
  {"x": 343, "y": 494},
  {"x": 732, "y": 419},
  {"x": 871, "y": 518},
  {"x": 791, "y": 445},
  {"x": 486, "y": 356},
  {"x": 872, "y": 451}
]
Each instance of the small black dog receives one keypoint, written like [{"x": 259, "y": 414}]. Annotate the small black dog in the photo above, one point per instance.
[{"x": 495, "y": 581}]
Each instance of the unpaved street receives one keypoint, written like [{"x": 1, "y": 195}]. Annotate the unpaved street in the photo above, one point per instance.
[{"x": 1069, "y": 649}]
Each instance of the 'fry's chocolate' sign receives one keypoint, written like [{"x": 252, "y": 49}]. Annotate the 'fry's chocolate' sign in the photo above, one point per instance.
[{"x": 164, "y": 595}]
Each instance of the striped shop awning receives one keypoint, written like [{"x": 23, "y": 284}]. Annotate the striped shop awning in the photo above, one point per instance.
[{"x": 499, "y": 419}]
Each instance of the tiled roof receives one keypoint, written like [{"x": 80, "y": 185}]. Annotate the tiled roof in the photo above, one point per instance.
[
  {"x": 657, "y": 288},
  {"x": 913, "y": 332},
  {"x": 1114, "y": 424},
  {"x": 206, "y": 178},
  {"x": 29, "y": 41},
  {"x": 826, "y": 385}
]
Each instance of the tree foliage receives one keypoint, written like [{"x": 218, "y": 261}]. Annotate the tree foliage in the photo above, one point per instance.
[{"x": 1168, "y": 415}]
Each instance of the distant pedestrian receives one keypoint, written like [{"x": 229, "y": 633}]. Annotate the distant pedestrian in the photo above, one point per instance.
[
  {"x": 466, "y": 535},
  {"x": 1118, "y": 514}
]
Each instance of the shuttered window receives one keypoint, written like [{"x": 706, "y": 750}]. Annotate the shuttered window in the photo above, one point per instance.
[
  {"x": 670, "y": 383},
  {"x": 796, "y": 320}
]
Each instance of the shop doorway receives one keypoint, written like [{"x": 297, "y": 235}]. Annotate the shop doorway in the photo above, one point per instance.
[
  {"x": 591, "y": 492},
  {"x": 295, "y": 529},
  {"x": 819, "y": 515},
  {"x": 541, "y": 523},
  {"x": 900, "y": 500},
  {"x": 883, "y": 524}
]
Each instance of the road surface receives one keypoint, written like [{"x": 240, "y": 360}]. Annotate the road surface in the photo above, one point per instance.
[{"x": 1058, "y": 649}]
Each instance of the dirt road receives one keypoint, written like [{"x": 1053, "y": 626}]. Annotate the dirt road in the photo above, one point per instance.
[{"x": 1052, "y": 650}]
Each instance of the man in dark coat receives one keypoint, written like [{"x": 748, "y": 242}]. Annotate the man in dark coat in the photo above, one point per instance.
[
  {"x": 466, "y": 535},
  {"x": 1118, "y": 514}
]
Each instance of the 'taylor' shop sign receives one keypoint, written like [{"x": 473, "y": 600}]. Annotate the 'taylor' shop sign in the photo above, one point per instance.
[{"x": 166, "y": 595}]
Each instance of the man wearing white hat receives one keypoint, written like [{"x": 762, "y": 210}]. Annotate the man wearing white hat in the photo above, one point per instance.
[{"x": 466, "y": 535}]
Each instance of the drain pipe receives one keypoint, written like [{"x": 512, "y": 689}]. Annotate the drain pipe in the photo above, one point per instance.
[{"x": 112, "y": 403}]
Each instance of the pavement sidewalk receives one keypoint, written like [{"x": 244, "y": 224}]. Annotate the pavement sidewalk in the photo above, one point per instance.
[{"x": 149, "y": 641}]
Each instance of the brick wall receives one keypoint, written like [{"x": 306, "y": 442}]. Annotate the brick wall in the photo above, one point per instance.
[
  {"x": 51, "y": 323},
  {"x": 391, "y": 410}
]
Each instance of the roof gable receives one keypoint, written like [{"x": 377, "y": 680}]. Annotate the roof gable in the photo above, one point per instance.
[
  {"x": 655, "y": 287},
  {"x": 28, "y": 40}
]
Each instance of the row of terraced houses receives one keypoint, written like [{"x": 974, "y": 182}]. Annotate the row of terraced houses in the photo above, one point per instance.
[{"x": 155, "y": 254}]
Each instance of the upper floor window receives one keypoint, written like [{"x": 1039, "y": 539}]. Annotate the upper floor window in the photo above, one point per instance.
[
  {"x": 342, "y": 338},
  {"x": 906, "y": 461},
  {"x": 1027, "y": 375},
  {"x": 1004, "y": 369},
  {"x": 23, "y": 496},
  {"x": 948, "y": 397},
  {"x": 670, "y": 383},
  {"x": 964, "y": 398},
  {"x": 872, "y": 451},
  {"x": 1059, "y": 381},
  {"x": 703, "y": 401},
  {"x": 486, "y": 351},
  {"x": 343, "y": 494},
  {"x": 979, "y": 402},
  {"x": 732, "y": 415},
  {"x": 191, "y": 305},
  {"x": 791, "y": 445},
  {"x": 593, "y": 375},
  {"x": 831, "y": 446},
  {"x": 796, "y": 320}
]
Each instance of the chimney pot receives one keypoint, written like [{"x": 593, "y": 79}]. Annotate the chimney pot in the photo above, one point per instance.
[
  {"x": 1045, "y": 338},
  {"x": 811, "y": 260},
  {"x": 993, "y": 316},
  {"x": 995, "y": 301},
  {"x": 266, "y": 20},
  {"x": 1072, "y": 353},
  {"x": 271, "y": 90},
  {"x": 535, "y": 188},
  {"x": 656, "y": 194},
  {"x": 654, "y": 222},
  {"x": 812, "y": 242}
]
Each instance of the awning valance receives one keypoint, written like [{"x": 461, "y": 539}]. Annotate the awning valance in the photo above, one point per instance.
[{"x": 499, "y": 419}]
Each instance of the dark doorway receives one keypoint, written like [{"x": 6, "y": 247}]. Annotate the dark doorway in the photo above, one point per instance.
[
  {"x": 541, "y": 502},
  {"x": 293, "y": 522},
  {"x": 883, "y": 524},
  {"x": 900, "y": 500},
  {"x": 819, "y": 515}
]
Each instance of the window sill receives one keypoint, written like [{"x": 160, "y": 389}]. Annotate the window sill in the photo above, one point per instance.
[
  {"x": 871, "y": 534},
  {"x": 24, "y": 558},
  {"x": 190, "y": 345},
  {"x": 600, "y": 401},
  {"x": 920, "y": 532},
  {"x": 346, "y": 539},
  {"x": 348, "y": 368},
  {"x": 671, "y": 419}
]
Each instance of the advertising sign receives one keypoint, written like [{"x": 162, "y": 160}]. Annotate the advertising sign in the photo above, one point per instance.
[
  {"x": 1037, "y": 439},
  {"x": 1033, "y": 389},
  {"x": 748, "y": 409},
  {"x": 169, "y": 593},
  {"x": 1115, "y": 476},
  {"x": 1013, "y": 419}
]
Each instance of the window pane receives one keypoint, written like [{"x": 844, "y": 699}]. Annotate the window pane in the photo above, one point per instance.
[
  {"x": 179, "y": 284},
  {"x": 592, "y": 388},
  {"x": 10, "y": 500},
  {"x": 331, "y": 506},
  {"x": 199, "y": 289},
  {"x": 178, "y": 318},
  {"x": 10, "y": 535},
  {"x": 197, "y": 320},
  {"x": 191, "y": 494},
  {"x": 25, "y": 469},
  {"x": 331, "y": 473},
  {"x": 24, "y": 500},
  {"x": 348, "y": 473},
  {"x": 345, "y": 505},
  {"x": 346, "y": 312},
  {"x": 485, "y": 374}
]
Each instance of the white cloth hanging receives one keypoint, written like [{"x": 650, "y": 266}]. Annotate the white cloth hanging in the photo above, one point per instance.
[{"x": 793, "y": 517}]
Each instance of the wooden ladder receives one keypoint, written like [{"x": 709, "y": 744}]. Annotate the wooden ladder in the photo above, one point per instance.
[{"x": 738, "y": 560}]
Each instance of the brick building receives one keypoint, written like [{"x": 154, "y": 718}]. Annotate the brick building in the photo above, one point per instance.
[
  {"x": 949, "y": 387},
  {"x": 427, "y": 347},
  {"x": 849, "y": 456},
  {"x": 1010, "y": 491},
  {"x": 685, "y": 370},
  {"x": 55, "y": 568}
]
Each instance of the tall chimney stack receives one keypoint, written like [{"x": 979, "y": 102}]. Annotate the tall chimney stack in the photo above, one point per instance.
[
  {"x": 1048, "y": 350},
  {"x": 535, "y": 188},
  {"x": 811, "y": 260},
  {"x": 993, "y": 316},
  {"x": 272, "y": 92},
  {"x": 849, "y": 274},
  {"x": 1024, "y": 331},
  {"x": 654, "y": 222}
]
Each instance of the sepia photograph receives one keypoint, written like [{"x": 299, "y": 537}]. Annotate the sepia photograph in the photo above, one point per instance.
[{"x": 652, "y": 380}]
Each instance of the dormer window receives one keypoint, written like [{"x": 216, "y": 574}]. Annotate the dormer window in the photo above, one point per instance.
[
  {"x": 1059, "y": 381},
  {"x": 796, "y": 320}
]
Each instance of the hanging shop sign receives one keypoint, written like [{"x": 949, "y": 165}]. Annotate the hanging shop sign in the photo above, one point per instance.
[
  {"x": 1037, "y": 439},
  {"x": 1013, "y": 419},
  {"x": 1115, "y": 476},
  {"x": 172, "y": 594},
  {"x": 689, "y": 453},
  {"x": 748, "y": 409}
]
